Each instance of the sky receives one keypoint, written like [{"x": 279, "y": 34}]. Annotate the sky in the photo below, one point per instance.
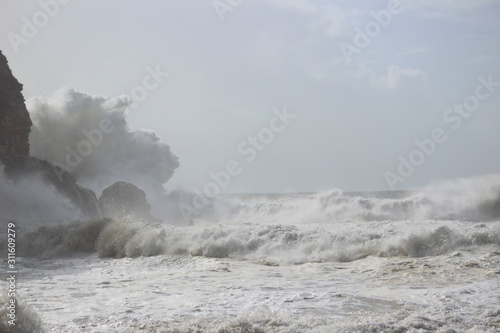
[{"x": 281, "y": 96}]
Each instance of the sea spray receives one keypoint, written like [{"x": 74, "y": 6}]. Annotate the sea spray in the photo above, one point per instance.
[
  {"x": 33, "y": 201},
  {"x": 88, "y": 136}
]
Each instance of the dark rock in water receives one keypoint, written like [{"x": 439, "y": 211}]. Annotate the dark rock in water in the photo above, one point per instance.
[
  {"x": 125, "y": 200},
  {"x": 15, "y": 126},
  {"x": 15, "y": 122}
]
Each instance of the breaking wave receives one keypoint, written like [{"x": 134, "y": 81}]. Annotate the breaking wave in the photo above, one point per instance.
[
  {"x": 297, "y": 228},
  {"x": 267, "y": 244},
  {"x": 474, "y": 199}
]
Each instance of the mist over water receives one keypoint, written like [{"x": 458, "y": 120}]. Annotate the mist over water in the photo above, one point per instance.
[
  {"x": 33, "y": 201},
  {"x": 475, "y": 198}
]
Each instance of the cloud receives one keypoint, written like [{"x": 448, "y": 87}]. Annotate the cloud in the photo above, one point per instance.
[
  {"x": 334, "y": 21},
  {"x": 458, "y": 5},
  {"x": 397, "y": 76},
  {"x": 328, "y": 18},
  {"x": 244, "y": 114},
  {"x": 451, "y": 9},
  {"x": 412, "y": 51},
  {"x": 299, "y": 5}
]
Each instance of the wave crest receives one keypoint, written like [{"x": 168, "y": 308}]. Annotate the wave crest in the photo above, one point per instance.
[{"x": 268, "y": 244}]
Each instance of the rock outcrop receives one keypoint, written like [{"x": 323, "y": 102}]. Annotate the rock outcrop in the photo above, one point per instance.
[
  {"x": 15, "y": 122},
  {"x": 125, "y": 200},
  {"x": 15, "y": 125}
]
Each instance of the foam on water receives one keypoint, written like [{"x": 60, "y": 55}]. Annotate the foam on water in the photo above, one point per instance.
[
  {"x": 185, "y": 294},
  {"x": 269, "y": 244}
]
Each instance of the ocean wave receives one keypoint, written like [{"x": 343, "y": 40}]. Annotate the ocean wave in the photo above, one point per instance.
[
  {"x": 267, "y": 244},
  {"x": 27, "y": 320},
  {"x": 474, "y": 199}
]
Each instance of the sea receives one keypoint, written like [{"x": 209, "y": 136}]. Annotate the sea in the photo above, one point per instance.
[{"x": 395, "y": 261}]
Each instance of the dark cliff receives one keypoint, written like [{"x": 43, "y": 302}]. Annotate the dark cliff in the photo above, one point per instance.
[{"x": 15, "y": 122}]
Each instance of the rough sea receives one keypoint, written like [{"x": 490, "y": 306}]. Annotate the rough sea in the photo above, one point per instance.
[{"x": 421, "y": 261}]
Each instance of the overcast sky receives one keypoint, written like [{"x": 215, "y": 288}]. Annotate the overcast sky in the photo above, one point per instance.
[{"x": 359, "y": 101}]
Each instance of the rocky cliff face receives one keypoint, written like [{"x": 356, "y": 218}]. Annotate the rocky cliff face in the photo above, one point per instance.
[
  {"x": 15, "y": 122},
  {"x": 15, "y": 125}
]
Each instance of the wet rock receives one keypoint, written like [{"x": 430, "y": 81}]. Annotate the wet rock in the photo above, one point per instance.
[{"x": 125, "y": 200}]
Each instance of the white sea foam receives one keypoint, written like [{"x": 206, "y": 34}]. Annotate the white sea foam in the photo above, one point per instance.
[
  {"x": 178, "y": 293},
  {"x": 473, "y": 199},
  {"x": 267, "y": 244}
]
